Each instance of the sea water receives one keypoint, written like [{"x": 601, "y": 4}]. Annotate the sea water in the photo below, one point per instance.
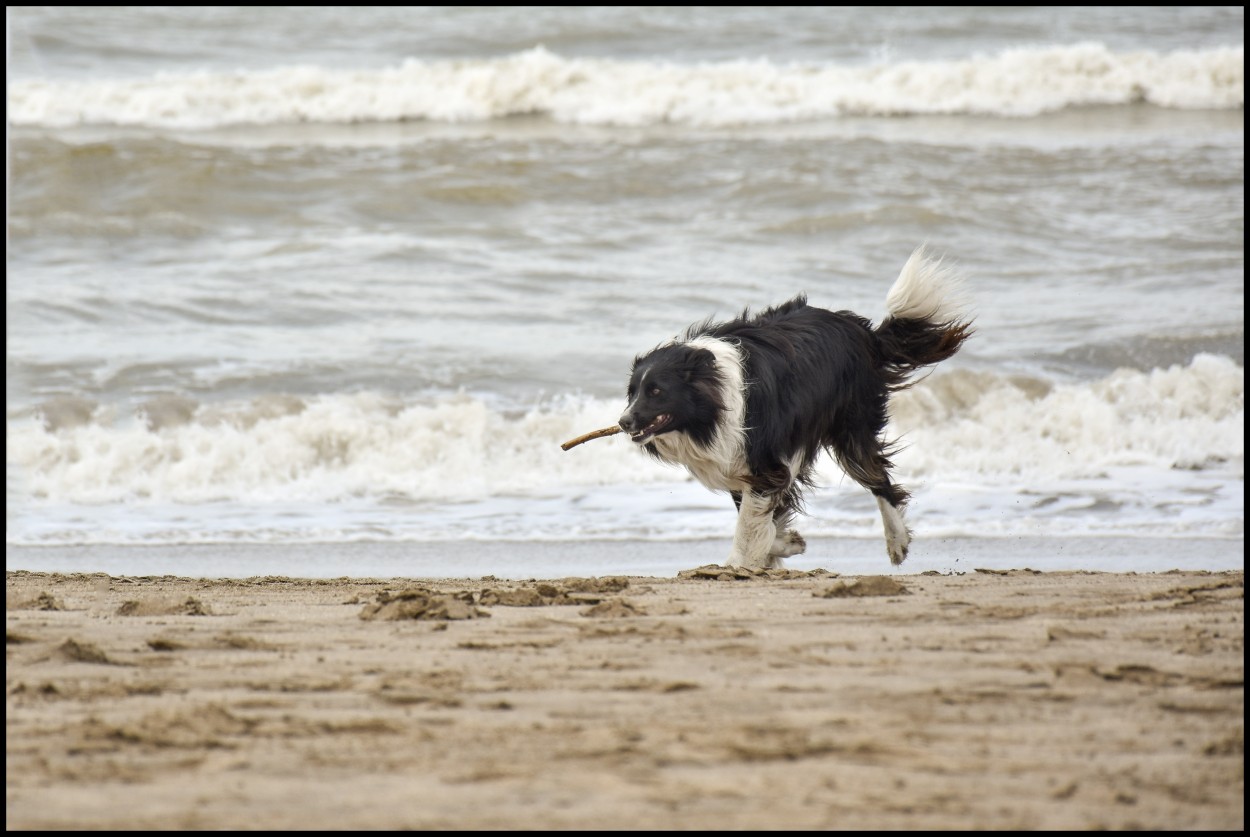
[{"x": 352, "y": 274}]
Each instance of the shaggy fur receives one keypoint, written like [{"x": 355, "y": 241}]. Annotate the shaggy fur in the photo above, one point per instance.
[{"x": 749, "y": 404}]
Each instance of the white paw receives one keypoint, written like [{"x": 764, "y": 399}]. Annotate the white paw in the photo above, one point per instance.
[
  {"x": 788, "y": 543},
  {"x": 897, "y": 536},
  {"x": 749, "y": 562},
  {"x": 897, "y": 550}
]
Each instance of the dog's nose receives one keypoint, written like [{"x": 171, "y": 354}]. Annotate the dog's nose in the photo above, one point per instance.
[{"x": 628, "y": 423}]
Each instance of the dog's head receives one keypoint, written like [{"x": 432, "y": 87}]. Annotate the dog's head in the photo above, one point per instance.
[{"x": 673, "y": 388}]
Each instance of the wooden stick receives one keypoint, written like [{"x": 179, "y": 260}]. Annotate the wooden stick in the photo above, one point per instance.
[{"x": 607, "y": 431}]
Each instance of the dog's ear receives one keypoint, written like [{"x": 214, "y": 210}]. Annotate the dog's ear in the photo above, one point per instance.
[{"x": 705, "y": 362}]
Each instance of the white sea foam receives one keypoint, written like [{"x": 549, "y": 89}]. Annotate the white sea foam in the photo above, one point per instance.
[
  {"x": 1013, "y": 82},
  {"x": 335, "y": 447},
  {"x": 1181, "y": 417},
  {"x": 961, "y": 426}
]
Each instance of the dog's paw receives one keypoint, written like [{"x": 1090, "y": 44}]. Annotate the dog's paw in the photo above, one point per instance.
[
  {"x": 786, "y": 544},
  {"x": 749, "y": 562},
  {"x": 897, "y": 535},
  {"x": 898, "y": 550}
]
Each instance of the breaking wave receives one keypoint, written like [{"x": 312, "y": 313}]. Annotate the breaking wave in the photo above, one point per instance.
[
  {"x": 585, "y": 91},
  {"x": 964, "y": 424}
]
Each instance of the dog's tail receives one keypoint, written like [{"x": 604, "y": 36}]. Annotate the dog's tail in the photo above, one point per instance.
[{"x": 926, "y": 320}]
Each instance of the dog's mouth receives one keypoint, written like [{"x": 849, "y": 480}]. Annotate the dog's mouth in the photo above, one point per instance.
[{"x": 660, "y": 424}]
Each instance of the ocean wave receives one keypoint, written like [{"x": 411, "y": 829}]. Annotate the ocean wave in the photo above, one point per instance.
[
  {"x": 1185, "y": 417},
  {"x": 1012, "y": 83},
  {"x": 979, "y": 426}
]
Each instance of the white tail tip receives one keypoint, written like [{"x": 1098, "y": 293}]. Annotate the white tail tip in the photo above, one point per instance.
[{"x": 927, "y": 289}]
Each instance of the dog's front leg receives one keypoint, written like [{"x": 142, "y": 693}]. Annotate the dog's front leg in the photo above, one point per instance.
[{"x": 753, "y": 539}]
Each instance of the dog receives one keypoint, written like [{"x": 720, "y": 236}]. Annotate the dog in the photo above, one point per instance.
[{"x": 749, "y": 404}]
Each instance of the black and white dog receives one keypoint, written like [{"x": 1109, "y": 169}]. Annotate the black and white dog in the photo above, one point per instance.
[{"x": 748, "y": 405}]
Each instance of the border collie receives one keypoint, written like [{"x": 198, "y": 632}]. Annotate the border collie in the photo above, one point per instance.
[{"x": 749, "y": 404}]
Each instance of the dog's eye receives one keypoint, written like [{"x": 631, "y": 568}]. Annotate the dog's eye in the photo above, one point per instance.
[{"x": 653, "y": 392}]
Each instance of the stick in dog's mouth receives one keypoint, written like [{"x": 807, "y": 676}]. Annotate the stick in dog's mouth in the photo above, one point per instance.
[
  {"x": 661, "y": 421},
  {"x": 594, "y": 434}
]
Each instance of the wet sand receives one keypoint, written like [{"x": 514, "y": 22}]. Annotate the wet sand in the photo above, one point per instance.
[{"x": 1003, "y": 699}]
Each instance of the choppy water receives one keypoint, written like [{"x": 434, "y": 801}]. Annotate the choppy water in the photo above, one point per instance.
[{"x": 352, "y": 274}]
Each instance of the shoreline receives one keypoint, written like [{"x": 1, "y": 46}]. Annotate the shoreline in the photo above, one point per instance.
[
  {"x": 661, "y": 559},
  {"x": 999, "y": 699}
]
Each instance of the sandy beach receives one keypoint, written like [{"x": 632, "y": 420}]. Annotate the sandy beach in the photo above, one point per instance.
[{"x": 994, "y": 699}]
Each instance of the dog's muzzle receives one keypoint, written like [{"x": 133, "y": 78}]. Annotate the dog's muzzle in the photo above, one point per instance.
[{"x": 642, "y": 433}]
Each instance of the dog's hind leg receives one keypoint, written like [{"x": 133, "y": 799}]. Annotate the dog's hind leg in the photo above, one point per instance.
[
  {"x": 755, "y": 533},
  {"x": 867, "y": 462},
  {"x": 897, "y": 535}
]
